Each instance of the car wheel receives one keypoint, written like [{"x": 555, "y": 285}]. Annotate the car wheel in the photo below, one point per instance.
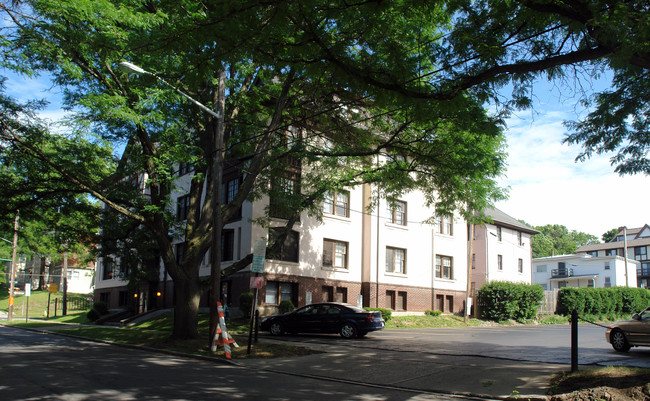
[
  {"x": 619, "y": 342},
  {"x": 348, "y": 330},
  {"x": 276, "y": 328}
]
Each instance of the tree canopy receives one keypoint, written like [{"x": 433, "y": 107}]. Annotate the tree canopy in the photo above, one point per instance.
[
  {"x": 556, "y": 239},
  {"x": 311, "y": 95}
]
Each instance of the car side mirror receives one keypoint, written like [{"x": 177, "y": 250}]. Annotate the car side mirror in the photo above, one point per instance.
[{"x": 636, "y": 316}]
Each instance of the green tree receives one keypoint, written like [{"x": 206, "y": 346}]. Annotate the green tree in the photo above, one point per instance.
[
  {"x": 289, "y": 108},
  {"x": 310, "y": 92},
  {"x": 555, "y": 239},
  {"x": 610, "y": 235},
  {"x": 55, "y": 215}
]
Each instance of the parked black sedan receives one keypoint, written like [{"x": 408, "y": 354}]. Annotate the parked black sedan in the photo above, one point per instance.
[{"x": 329, "y": 317}]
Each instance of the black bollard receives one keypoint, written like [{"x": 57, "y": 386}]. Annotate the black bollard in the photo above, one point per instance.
[{"x": 574, "y": 341}]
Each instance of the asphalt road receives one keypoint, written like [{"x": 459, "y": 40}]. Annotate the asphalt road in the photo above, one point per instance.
[
  {"x": 544, "y": 343},
  {"x": 42, "y": 366}
]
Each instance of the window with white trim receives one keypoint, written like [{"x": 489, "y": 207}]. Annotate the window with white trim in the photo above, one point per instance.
[
  {"x": 395, "y": 260},
  {"x": 444, "y": 267},
  {"x": 335, "y": 254}
]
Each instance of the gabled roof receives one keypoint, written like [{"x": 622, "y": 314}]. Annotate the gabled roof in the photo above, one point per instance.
[
  {"x": 614, "y": 245},
  {"x": 502, "y": 219},
  {"x": 640, "y": 232}
]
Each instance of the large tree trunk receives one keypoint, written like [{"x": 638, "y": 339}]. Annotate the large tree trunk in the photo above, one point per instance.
[{"x": 186, "y": 310}]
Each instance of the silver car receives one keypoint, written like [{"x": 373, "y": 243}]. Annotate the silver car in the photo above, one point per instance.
[{"x": 630, "y": 333}]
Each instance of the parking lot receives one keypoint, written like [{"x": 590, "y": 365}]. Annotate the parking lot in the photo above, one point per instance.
[{"x": 544, "y": 343}]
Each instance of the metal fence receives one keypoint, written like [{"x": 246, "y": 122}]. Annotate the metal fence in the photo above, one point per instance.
[{"x": 73, "y": 303}]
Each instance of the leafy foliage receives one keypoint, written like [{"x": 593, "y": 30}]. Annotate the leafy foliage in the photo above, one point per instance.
[
  {"x": 609, "y": 235},
  {"x": 501, "y": 301},
  {"x": 556, "y": 239},
  {"x": 602, "y": 302}
]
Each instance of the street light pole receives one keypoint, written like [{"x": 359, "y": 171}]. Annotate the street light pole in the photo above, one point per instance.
[{"x": 217, "y": 168}]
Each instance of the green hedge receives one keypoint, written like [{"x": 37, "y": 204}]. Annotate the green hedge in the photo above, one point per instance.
[
  {"x": 386, "y": 314},
  {"x": 602, "y": 302},
  {"x": 501, "y": 301}
]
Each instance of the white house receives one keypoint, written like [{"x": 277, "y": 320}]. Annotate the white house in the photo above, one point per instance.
[
  {"x": 637, "y": 242},
  {"x": 583, "y": 270},
  {"x": 501, "y": 250}
]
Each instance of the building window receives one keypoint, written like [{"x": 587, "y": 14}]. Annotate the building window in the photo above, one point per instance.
[
  {"x": 107, "y": 272},
  {"x": 342, "y": 295},
  {"x": 227, "y": 245},
  {"x": 397, "y": 213},
  {"x": 499, "y": 234},
  {"x": 444, "y": 267},
  {"x": 277, "y": 291},
  {"x": 473, "y": 261},
  {"x": 283, "y": 191},
  {"x": 288, "y": 250},
  {"x": 640, "y": 253},
  {"x": 230, "y": 189},
  {"x": 390, "y": 300},
  {"x": 185, "y": 168},
  {"x": 500, "y": 262},
  {"x": 520, "y": 241},
  {"x": 335, "y": 254},
  {"x": 520, "y": 265},
  {"x": 606, "y": 265},
  {"x": 608, "y": 282},
  {"x": 328, "y": 293},
  {"x": 541, "y": 268},
  {"x": 395, "y": 260},
  {"x": 561, "y": 284},
  {"x": 590, "y": 283},
  {"x": 593, "y": 253},
  {"x": 337, "y": 203},
  {"x": 182, "y": 207},
  {"x": 612, "y": 252},
  {"x": 445, "y": 225},
  {"x": 401, "y": 300}
]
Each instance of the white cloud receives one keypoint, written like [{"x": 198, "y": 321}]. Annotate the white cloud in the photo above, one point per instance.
[{"x": 548, "y": 187}]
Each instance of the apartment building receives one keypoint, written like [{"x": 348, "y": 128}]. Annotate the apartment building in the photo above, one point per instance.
[
  {"x": 501, "y": 250},
  {"x": 637, "y": 243},
  {"x": 375, "y": 255}
]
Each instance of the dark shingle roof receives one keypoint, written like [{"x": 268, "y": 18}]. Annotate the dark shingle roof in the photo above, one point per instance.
[{"x": 503, "y": 219}]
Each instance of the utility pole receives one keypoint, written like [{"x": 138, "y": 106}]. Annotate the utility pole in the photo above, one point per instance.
[
  {"x": 12, "y": 274},
  {"x": 468, "y": 297},
  {"x": 624, "y": 228}
]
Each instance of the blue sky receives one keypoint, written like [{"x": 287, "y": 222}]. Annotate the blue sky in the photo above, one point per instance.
[{"x": 546, "y": 185}]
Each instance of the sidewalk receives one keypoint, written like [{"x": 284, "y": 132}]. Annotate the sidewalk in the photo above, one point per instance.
[{"x": 483, "y": 378}]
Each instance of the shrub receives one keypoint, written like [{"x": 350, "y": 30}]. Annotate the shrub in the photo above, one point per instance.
[
  {"x": 93, "y": 315},
  {"x": 501, "y": 301},
  {"x": 430, "y": 312},
  {"x": 386, "y": 314},
  {"x": 602, "y": 302},
  {"x": 286, "y": 306},
  {"x": 246, "y": 303},
  {"x": 101, "y": 308}
]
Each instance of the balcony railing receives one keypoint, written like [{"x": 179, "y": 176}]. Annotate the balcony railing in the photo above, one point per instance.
[{"x": 562, "y": 272}]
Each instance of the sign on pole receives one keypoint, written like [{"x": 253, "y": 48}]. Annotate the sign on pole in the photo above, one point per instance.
[
  {"x": 259, "y": 256},
  {"x": 28, "y": 289}
]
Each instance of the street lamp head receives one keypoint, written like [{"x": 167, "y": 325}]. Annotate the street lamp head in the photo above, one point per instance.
[{"x": 130, "y": 67}]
